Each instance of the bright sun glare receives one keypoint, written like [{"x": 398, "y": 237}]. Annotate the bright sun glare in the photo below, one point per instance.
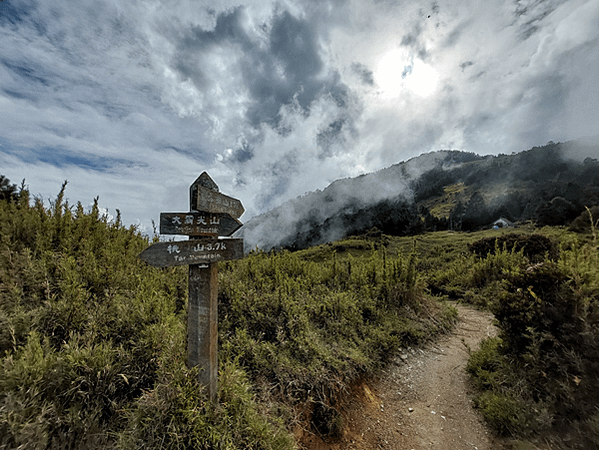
[{"x": 395, "y": 72}]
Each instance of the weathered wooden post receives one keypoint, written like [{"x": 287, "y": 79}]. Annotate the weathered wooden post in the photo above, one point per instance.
[{"x": 211, "y": 214}]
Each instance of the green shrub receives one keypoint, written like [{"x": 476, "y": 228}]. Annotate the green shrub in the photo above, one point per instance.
[
  {"x": 307, "y": 326},
  {"x": 78, "y": 312},
  {"x": 63, "y": 398},
  {"x": 502, "y": 412},
  {"x": 177, "y": 414},
  {"x": 535, "y": 247},
  {"x": 546, "y": 359},
  {"x": 486, "y": 364},
  {"x": 476, "y": 280}
]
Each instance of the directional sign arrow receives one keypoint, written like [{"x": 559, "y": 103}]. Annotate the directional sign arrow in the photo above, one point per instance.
[
  {"x": 200, "y": 251},
  {"x": 204, "y": 196},
  {"x": 198, "y": 223},
  {"x": 208, "y": 200}
]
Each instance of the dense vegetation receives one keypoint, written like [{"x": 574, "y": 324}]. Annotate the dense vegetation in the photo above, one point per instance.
[
  {"x": 540, "y": 376},
  {"x": 92, "y": 340}
]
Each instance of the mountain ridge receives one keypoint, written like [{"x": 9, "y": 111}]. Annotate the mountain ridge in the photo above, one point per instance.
[{"x": 445, "y": 189}]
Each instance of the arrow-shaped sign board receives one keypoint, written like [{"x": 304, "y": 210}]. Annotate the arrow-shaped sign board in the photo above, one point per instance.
[
  {"x": 198, "y": 223},
  {"x": 201, "y": 251},
  {"x": 209, "y": 200}
]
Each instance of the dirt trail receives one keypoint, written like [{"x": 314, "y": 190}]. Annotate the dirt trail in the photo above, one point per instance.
[{"x": 423, "y": 400}]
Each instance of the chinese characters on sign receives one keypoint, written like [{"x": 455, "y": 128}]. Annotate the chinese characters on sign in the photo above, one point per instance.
[
  {"x": 181, "y": 253},
  {"x": 198, "y": 223}
]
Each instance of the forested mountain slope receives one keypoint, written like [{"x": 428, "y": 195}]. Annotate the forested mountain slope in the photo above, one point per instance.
[{"x": 549, "y": 185}]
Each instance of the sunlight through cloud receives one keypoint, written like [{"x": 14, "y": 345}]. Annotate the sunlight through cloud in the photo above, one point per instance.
[{"x": 397, "y": 72}]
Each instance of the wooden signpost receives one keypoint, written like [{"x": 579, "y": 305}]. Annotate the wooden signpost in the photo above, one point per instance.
[{"x": 211, "y": 215}]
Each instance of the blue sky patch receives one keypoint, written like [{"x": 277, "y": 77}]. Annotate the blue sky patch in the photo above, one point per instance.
[{"x": 65, "y": 159}]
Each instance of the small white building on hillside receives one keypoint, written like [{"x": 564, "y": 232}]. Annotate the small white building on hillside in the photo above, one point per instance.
[{"x": 502, "y": 222}]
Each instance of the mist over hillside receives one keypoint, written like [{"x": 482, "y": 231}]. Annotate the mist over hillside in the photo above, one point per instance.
[{"x": 447, "y": 189}]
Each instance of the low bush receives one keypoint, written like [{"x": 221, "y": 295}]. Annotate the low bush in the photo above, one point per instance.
[
  {"x": 176, "y": 414},
  {"x": 546, "y": 358},
  {"x": 535, "y": 247},
  {"x": 306, "y": 330}
]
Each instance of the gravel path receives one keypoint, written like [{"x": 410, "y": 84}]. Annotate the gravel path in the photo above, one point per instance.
[{"x": 423, "y": 400}]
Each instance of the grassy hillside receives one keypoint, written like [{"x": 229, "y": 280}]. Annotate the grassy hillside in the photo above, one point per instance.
[
  {"x": 92, "y": 343},
  {"x": 92, "y": 340}
]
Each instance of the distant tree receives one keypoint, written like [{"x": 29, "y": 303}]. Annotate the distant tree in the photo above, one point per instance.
[
  {"x": 558, "y": 211},
  {"x": 477, "y": 213},
  {"x": 7, "y": 191},
  {"x": 587, "y": 220},
  {"x": 456, "y": 216}
]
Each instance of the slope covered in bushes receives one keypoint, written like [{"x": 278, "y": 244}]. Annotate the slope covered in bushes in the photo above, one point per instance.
[
  {"x": 540, "y": 376},
  {"x": 92, "y": 340},
  {"x": 92, "y": 343}
]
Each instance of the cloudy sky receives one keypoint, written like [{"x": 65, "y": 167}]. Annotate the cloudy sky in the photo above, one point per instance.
[{"x": 130, "y": 100}]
